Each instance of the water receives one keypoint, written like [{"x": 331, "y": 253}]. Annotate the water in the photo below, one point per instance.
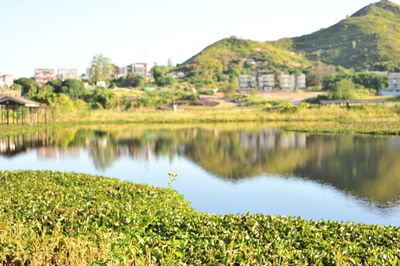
[{"x": 230, "y": 169}]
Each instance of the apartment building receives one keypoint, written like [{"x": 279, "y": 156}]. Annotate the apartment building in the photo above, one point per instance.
[
  {"x": 301, "y": 81},
  {"x": 247, "y": 82},
  {"x": 44, "y": 75},
  {"x": 122, "y": 72},
  {"x": 394, "y": 85},
  {"x": 266, "y": 82},
  {"x": 6, "y": 81},
  {"x": 287, "y": 82},
  {"x": 64, "y": 73},
  {"x": 139, "y": 69},
  {"x": 292, "y": 82},
  {"x": 394, "y": 81}
]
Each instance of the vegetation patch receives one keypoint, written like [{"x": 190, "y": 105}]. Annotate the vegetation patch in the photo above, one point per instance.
[{"x": 66, "y": 218}]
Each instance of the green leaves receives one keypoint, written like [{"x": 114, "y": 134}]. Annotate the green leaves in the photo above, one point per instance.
[{"x": 66, "y": 218}]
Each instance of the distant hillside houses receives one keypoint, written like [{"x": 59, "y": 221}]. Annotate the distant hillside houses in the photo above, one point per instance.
[
  {"x": 177, "y": 74},
  {"x": 44, "y": 75},
  {"x": 6, "y": 81},
  {"x": 139, "y": 69},
  {"x": 394, "y": 85},
  {"x": 6, "y": 90},
  {"x": 266, "y": 82}
]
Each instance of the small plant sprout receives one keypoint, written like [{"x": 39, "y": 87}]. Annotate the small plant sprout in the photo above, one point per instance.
[{"x": 172, "y": 178}]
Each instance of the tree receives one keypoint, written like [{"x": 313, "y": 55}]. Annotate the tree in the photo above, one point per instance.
[
  {"x": 316, "y": 76},
  {"x": 102, "y": 97},
  {"x": 29, "y": 87},
  {"x": 367, "y": 80},
  {"x": 132, "y": 80},
  {"x": 345, "y": 89},
  {"x": 45, "y": 93},
  {"x": 73, "y": 88},
  {"x": 101, "y": 68},
  {"x": 161, "y": 76},
  {"x": 57, "y": 84}
]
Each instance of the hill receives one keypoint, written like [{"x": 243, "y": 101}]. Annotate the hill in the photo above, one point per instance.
[
  {"x": 369, "y": 39},
  {"x": 226, "y": 59}
]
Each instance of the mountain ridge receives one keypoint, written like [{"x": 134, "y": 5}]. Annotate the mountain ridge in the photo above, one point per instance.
[{"x": 367, "y": 40}]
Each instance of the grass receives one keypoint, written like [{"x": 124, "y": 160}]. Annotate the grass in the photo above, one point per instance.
[
  {"x": 366, "y": 119},
  {"x": 66, "y": 218},
  {"x": 391, "y": 128}
]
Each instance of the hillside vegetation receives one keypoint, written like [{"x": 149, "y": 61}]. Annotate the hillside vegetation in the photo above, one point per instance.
[
  {"x": 369, "y": 39},
  {"x": 226, "y": 59}
]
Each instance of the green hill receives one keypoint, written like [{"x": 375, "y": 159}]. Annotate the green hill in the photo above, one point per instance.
[
  {"x": 369, "y": 39},
  {"x": 226, "y": 59}
]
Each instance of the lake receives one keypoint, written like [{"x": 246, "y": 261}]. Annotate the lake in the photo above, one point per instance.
[{"x": 228, "y": 168}]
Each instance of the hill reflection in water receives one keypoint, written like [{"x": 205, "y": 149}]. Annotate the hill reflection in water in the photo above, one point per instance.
[{"x": 365, "y": 167}]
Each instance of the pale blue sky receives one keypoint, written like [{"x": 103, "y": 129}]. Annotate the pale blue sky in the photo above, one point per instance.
[{"x": 67, "y": 33}]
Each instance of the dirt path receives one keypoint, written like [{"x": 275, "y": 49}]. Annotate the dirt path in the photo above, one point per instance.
[{"x": 217, "y": 100}]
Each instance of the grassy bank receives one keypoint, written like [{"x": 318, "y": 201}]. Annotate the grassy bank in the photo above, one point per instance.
[
  {"x": 380, "y": 128},
  {"x": 244, "y": 114},
  {"x": 65, "y": 218},
  {"x": 369, "y": 119}
]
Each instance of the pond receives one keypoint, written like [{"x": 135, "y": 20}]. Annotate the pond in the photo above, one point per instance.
[{"x": 231, "y": 168}]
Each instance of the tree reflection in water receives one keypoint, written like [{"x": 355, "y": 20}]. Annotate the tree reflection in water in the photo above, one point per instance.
[{"x": 366, "y": 167}]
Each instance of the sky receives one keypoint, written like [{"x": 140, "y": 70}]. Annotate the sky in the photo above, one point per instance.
[{"x": 68, "y": 33}]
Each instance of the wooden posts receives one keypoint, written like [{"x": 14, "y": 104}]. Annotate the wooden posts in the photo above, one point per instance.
[
  {"x": 21, "y": 115},
  {"x": 18, "y": 111}
]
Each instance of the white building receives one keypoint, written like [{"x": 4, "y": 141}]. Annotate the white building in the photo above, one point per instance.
[
  {"x": 247, "y": 82},
  {"x": 266, "y": 82},
  {"x": 63, "y": 74},
  {"x": 287, "y": 82},
  {"x": 177, "y": 74},
  {"x": 292, "y": 82},
  {"x": 122, "y": 72},
  {"x": 139, "y": 69},
  {"x": 6, "y": 81},
  {"x": 394, "y": 85},
  {"x": 301, "y": 81}
]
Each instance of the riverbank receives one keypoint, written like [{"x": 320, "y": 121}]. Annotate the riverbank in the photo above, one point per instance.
[
  {"x": 370, "y": 119},
  {"x": 66, "y": 218}
]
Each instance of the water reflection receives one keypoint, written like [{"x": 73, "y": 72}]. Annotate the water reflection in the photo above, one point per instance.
[{"x": 365, "y": 167}]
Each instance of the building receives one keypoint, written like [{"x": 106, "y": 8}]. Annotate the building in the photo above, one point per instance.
[
  {"x": 44, "y": 75},
  {"x": 247, "y": 83},
  {"x": 122, "y": 72},
  {"x": 301, "y": 82},
  {"x": 394, "y": 81},
  {"x": 64, "y": 74},
  {"x": 6, "y": 81},
  {"x": 266, "y": 82},
  {"x": 139, "y": 69},
  {"x": 177, "y": 74},
  {"x": 292, "y": 82},
  {"x": 287, "y": 82},
  {"x": 394, "y": 85}
]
